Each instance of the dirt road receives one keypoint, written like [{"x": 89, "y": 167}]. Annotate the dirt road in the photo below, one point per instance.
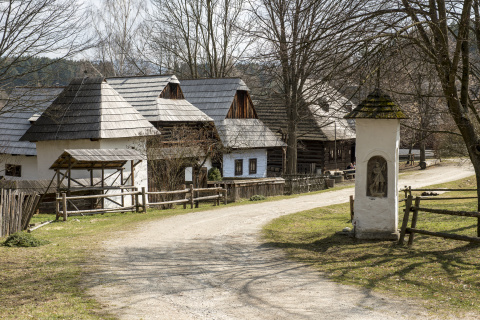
[{"x": 212, "y": 265}]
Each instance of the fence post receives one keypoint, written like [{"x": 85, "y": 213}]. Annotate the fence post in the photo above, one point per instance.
[
  {"x": 351, "y": 208},
  {"x": 137, "y": 206},
  {"x": 225, "y": 197},
  {"x": 184, "y": 196},
  {"x": 414, "y": 220},
  {"x": 57, "y": 206},
  {"x": 64, "y": 203},
  {"x": 191, "y": 196},
  {"x": 144, "y": 200},
  {"x": 406, "y": 214}
]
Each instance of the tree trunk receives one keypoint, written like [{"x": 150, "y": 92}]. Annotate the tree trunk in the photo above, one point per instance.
[{"x": 291, "y": 148}]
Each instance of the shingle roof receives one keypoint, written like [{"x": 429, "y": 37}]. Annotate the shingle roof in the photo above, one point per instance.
[
  {"x": 246, "y": 134},
  {"x": 377, "y": 105},
  {"x": 89, "y": 108},
  {"x": 96, "y": 158},
  {"x": 143, "y": 93},
  {"x": 213, "y": 96},
  {"x": 315, "y": 123},
  {"x": 15, "y": 117}
]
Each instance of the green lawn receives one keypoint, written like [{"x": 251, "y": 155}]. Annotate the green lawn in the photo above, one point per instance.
[{"x": 441, "y": 274}]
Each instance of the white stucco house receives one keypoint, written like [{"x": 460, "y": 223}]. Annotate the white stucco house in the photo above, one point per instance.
[
  {"x": 244, "y": 137},
  {"x": 88, "y": 114}
]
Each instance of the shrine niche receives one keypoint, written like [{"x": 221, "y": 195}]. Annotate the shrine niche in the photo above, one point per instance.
[{"x": 377, "y": 177}]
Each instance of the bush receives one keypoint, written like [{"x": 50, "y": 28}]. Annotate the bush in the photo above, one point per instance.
[
  {"x": 257, "y": 197},
  {"x": 214, "y": 174},
  {"x": 23, "y": 239}
]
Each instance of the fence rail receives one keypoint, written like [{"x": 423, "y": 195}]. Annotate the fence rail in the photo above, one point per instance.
[
  {"x": 191, "y": 195},
  {"x": 16, "y": 210},
  {"x": 415, "y": 207}
]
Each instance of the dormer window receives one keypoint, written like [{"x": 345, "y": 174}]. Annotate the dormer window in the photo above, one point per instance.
[
  {"x": 323, "y": 103},
  {"x": 172, "y": 91}
]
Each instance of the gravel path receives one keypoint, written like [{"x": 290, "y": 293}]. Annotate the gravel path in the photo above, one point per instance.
[{"x": 212, "y": 265}]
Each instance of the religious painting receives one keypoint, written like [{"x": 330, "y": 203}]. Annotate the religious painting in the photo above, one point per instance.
[{"x": 377, "y": 177}]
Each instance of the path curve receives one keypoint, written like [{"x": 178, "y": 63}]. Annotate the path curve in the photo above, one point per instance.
[{"x": 212, "y": 265}]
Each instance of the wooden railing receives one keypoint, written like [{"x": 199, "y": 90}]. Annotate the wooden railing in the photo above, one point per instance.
[
  {"x": 415, "y": 207},
  {"x": 191, "y": 196}
]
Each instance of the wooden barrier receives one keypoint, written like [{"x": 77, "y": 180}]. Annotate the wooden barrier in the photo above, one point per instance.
[
  {"x": 416, "y": 208},
  {"x": 246, "y": 188},
  {"x": 190, "y": 196},
  {"x": 16, "y": 210}
]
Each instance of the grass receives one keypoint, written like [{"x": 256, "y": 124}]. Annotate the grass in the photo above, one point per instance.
[
  {"x": 45, "y": 282},
  {"x": 443, "y": 274}
]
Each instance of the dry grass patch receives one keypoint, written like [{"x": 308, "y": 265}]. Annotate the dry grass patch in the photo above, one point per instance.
[{"x": 442, "y": 273}]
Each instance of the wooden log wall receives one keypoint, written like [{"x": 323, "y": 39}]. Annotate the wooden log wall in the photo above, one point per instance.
[
  {"x": 242, "y": 107},
  {"x": 172, "y": 91}
]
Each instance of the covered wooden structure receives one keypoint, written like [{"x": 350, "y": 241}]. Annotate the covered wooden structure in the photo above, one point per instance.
[{"x": 102, "y": 160}]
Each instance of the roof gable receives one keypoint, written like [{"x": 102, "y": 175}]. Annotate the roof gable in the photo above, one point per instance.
[
  {"x": 147, "y": 95},
  {"x": 213, "y": 96},
  {"x": 89, "y": 108}
]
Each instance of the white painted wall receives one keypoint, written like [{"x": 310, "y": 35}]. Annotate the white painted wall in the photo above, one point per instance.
[
  {"x": 229, "y": 163},
  {"x": 188, "y": 170},
  {"x": 29, "y": 166},
  {"x": 49, "y": 151},
  {"x": 376, "y": 218}
]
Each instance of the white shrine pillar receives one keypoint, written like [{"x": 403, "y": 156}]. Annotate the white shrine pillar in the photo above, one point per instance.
[{"x": 377, "y": 123}]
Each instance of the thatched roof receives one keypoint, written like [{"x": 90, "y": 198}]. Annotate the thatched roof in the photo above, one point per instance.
[
  {"x": 22, "y": 107},
  {"x": 143, "y": 93},
  {"x": 246, "y": 134},
  {"x": 213, "y": 96},
  {"x": 89, "y": 108},
  {"x": 96, "y": 158},
  {"x": 377, "y": 105}
]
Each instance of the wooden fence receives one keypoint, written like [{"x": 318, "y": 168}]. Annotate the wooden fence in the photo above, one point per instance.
[
  {"x": 189, "y": 196},
  {"x": 295, "y": 184},
  {"x": 246, "y": 188},
  {"x": 414, "y": 206},
  {"x": 16, "y": 210}
]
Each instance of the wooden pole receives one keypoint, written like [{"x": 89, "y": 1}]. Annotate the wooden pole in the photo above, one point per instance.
[
  {"x": 406, "y": 214},
  {"x": 64, "y": 203},
  {"x": 57, "y": 206},
  {"x": 132, "y": 178},
  {"x": 414, "y": 220},
  {"x": 121, "y": 190},
  {"x": 191, "y": 196},
  {"x": 144, "y": 200},
  {"x": 137, "y": 206},
  {"x": 225, "y": 196},
  {"x": 351, "y": 208},
  {"x": 103, "y": 185},
  {"x": 184, "y": 196}
]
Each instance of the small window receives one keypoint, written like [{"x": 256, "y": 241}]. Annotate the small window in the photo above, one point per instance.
[
  {"x": 13, "y": 170},
  {"x": 238, "y": 167},
  {"x": 252, "y": 166}
]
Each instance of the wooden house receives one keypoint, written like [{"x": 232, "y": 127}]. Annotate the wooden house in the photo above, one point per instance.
[
  {"x": 185, "y": 128},
  {"x": 18, "y": 159},
  {"x": 245, "y": 139},
  {"x": 325, "y": 139},
  {"x": 88, "y": 114}
]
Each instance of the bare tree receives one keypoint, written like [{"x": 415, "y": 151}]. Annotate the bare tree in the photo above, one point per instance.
[
  {"x": 303, "y": 43},
  {"x": 117, "y": 24},
  {"x": 38, "y": 28},
  {"x": 197, "y": 38}
]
